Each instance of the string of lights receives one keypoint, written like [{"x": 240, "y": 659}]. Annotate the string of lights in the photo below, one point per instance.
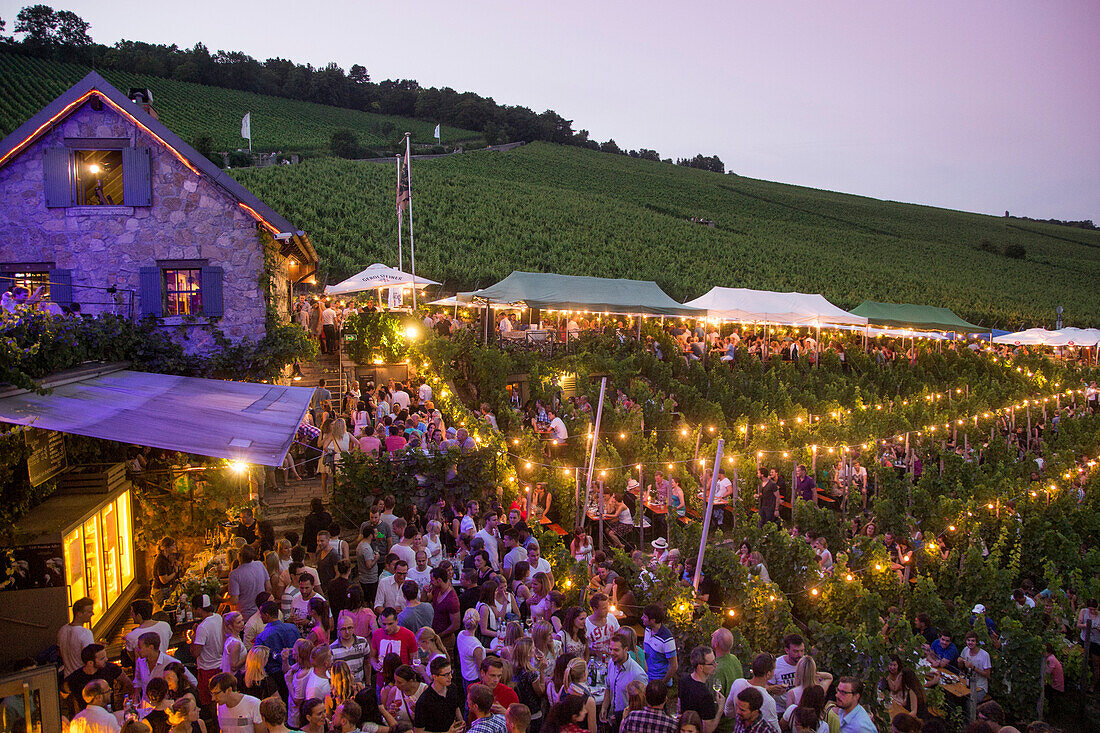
[{"x": 813, "y": 448}]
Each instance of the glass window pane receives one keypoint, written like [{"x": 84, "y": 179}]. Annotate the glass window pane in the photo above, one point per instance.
[
  {"x": 74, "y": 565},
  {"x": 94, "y": 569},
  {"x": 125, "y": 540},
  {"x": 108, "y": 519}
]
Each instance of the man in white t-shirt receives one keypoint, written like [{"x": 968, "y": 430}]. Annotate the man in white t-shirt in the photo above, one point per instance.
[
  {"x": 488, "y": 533},
  {"x": 400, "y": 398},
  {"x": 557, "y": 426},
  {"x": 762, "y": 666},
  {"x": 141, "y": 611},
  {"x": 424, "y": 392},
  {"x": 299, "y": 606},
  {"x": 783, "y": 677},
  {"x": 328, "y": 328},
  {"x": 538, "y": 563},
  {"x": 723, "y": 490},
  {"x": 206, "y": 644},
  {"x": 237, "y": 713},
  {"x": 318, "y": 683},
  {"x": 600, "y": 625},
  {"x": 515, "y": 551},
  {"x": 74, "y": 636},
  {"x": 975, "y": 661},
  {"x": 505, "y": 324}
]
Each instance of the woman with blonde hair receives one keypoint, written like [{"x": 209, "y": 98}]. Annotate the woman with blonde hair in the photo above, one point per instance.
[
  {"x": 576, "y": 675},
  {"x": 528, "y": 679},
  {"x": 502, "y": 645},
  {"x": 470, "y": 649},
  {"x": 635, "y": 696},
  {"x": 233, "y": 651},
  {"x": 343, "y": 686},
  {"x": 539, "y": 602},
  {"x": 806, "y": 676},
  {"x": 297, "y": 673},
  {"x": 255, "y": 681},
  {"x": 429, "y": 646},
  {"x": 433, "y": 544},
  {"x": 183, "y": 717},
  {"x": 547, "y": 649},
  {"x": 275, "y": 573}
]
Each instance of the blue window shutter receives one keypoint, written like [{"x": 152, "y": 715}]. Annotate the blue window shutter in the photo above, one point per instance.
[
  {"x": 61, "y": 287},
  {"x": 137, "y": 177},
  {"x": 57, "y": 172},
  {"x": 212, "y": 292},
  {"x": 150, "y": 291}
]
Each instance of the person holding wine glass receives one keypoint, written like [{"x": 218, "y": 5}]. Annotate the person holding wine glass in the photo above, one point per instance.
[{"x": 696, "y": 694}]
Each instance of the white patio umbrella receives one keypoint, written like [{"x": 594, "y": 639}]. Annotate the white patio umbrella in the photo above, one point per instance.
[
  {"x": 377, "y": 276},
  {"x": 1030, "y": 337}
]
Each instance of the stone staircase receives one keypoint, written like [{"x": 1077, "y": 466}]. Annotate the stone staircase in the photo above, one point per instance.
[{"x": 326, "y": 367}]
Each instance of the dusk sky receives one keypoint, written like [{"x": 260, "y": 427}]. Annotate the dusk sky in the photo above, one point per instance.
[{"x": 980, "y": 106}]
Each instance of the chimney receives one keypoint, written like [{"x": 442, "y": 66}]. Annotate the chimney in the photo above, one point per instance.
[{"x": 144, "y": 99}]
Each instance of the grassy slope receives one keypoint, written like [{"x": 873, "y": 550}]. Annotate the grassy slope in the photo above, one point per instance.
[
  {"x": 28, "y": 84},
  {"x": 543, "y": 207}
]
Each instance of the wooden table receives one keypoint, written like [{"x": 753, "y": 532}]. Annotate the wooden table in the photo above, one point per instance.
[{"x": 954, "y": 685}]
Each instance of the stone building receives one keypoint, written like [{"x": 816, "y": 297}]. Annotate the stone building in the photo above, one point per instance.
[{"x": 110, "y": 211}]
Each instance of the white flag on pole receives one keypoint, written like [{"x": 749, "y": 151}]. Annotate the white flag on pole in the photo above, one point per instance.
[
  {"x": 246, "y": 126},
  {"x": 437, "y": 132}
]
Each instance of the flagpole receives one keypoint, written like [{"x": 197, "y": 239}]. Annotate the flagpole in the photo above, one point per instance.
[
  {"x": 412, "y": 241},
  {"x": 400, "y": 217}
]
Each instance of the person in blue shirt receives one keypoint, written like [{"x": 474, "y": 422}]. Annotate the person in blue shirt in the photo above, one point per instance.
[
  {"x": 277, "y": 636},
  {"x": 659, "y": 645},
  {"x": 942, "y": 653},
  {"x": 853, "y": 717}
]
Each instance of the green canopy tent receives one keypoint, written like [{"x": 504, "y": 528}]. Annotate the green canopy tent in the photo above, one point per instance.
[
  {"x": 919, "y": 317},
  {"x": 582, "y": 293}
]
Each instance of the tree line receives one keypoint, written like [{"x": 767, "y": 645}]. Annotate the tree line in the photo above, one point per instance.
[{"x": 62, "y": 35}]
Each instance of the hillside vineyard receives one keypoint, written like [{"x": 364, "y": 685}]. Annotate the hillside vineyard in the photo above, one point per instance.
[{"x": 542, "y": 207}]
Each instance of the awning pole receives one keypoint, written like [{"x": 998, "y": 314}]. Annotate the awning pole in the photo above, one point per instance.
[
  {"x": 592, "y": 452},
  {"x": 709, "y": 514}
]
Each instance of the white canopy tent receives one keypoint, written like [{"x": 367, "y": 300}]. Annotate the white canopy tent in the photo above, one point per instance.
[
  {"x": 1075, "y": 337},
  {"x": 1041, "y": 337},
  {"x": 1030, "y": 337},
  {"x": 905, "y": 333},
  {"x": 375, "y": 277},
  {"x": 765, "y": 306}
]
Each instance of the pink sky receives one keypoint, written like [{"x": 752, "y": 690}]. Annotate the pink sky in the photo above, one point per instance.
[{"x": 980, "y": 106}]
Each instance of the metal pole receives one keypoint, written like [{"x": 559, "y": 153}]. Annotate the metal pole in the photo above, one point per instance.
[
  {"x": 710, "y": 510},
  {"x": 601, "y": 515},
  {"x": 592, "y": 453},
  {"x": 400, "y": 224},
  {"x": 412, "y": 241},
  {"x": 641, "y": 508}
]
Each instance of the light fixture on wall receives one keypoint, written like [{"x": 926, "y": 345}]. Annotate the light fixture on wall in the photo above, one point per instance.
[
  {"x": 94, "y": 169},
  {"x": 296, "y": 372}
]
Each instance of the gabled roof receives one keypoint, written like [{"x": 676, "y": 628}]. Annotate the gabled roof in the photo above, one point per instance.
[
  {"x": 94, "y": 84},
  {"x": 581, "y": 293},
  {"x": 908, "y": 315},
  {"x": 766, "y": 306}
]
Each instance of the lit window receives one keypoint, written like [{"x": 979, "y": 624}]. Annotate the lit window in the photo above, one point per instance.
[
  {"x": 29, "y": 280},
  {"x": 183, "y": 292},
  {"x": 98, "y": 177}
]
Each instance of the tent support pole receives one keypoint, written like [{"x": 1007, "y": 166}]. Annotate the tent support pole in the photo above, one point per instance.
[
  {"x": 592, "y": 456},
  {"x": 710, "y": 512}
]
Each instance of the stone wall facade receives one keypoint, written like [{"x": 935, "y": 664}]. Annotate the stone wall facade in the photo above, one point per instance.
[{"x": 190, "y": 218}]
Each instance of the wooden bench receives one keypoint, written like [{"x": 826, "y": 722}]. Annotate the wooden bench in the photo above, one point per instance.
[{"x": 557, "y": 529}]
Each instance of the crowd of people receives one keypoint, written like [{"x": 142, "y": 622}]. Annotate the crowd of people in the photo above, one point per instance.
[{"x": 448, "y": 619}]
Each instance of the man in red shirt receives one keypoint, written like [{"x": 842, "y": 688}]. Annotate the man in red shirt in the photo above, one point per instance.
[
  {"x": 492, "y": 669},
  {"x": 391, "y": 638}
]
